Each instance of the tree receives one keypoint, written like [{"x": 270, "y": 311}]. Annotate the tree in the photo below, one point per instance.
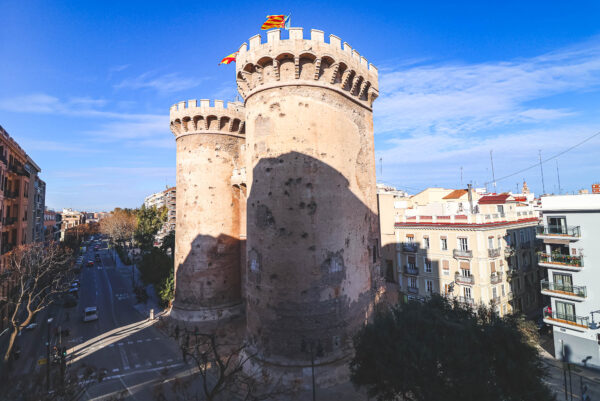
[
  {"x": 155, "y": 267},
  {"x": 39, "y": 273},
  {"x": 219, "y": 358},
  {"x": 169, "y": 244},
  {"x": 442, "y": 350},
  {"x": 149, "y": 221},
  {"x": 166, "y": 289},
  {"x": 119, "y": 226}
]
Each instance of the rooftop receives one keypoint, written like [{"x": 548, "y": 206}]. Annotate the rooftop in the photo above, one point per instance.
[{"x": 571, "y": 202}]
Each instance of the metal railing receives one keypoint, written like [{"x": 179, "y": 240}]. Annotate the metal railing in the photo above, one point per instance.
[
  {"x": 496, "y": 278},
  {"x": 465, "y": 300},
  {"x": 573, "y": 290},
  {"x": 409, "y": 247},
  {"x": 413, "y": 290},
  {"x": 582, "y": 321},
  {"x": 461, "y": 253},
  {"x": 408, "y": 269},
  {"x": 567, "y": 231},
  {"x": 464, "y": 279},
  {"x": 560, "y": 259},
  {"x": 494, "y": 252}
]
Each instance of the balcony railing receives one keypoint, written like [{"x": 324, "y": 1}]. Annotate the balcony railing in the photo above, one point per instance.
[
  {"x": 409, "y": 269},
  {"x": 565, "y": 318},
  {"x": 561, "y": 231},
  {"x": 561, "y": 260},
  {"x": 572, "y": 290},
  {"x": 494, "y": 252},
  {"x": 470, "y": 280},
  {"x": 409, "y": 247},
  {"x": 413, "y": 290},
  {"x": 462, "y": 253},
  {"x": 465, "y": 300},
  {"x": 496, "y": 278}
]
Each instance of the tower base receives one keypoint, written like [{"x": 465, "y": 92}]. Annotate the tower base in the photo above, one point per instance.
[{"x": 207, "y": 314}]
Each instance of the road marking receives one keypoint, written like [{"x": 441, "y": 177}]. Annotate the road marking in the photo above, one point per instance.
[
  {"x": 124, "y": 357},
  {"x": 115, "y": 370},
  {"x": 126, "y": 368},
  {"x": 120, "y": 344},
  {"x": 137, "y": 365},
  {"x": 126, "y": 388},
  {"x": 140, "y": 341},
  {"x": 148, "y": 339},
  {"x": 111, "y": 345},
  {"x": 148, "y": 363},
  {"x": 170, "y": 360},
  {"x": 157, "y": 338},
  {"x": 129, "y": 342},
  {"x": 159, "y": 362}
]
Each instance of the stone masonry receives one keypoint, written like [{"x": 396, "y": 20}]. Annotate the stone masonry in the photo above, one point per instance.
[{"x": 312, "y": 247}]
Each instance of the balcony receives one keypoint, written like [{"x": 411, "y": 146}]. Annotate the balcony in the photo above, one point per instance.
[
  {"x": 11, "y": 194},
  {"x": 494, "y": 253},
  {"x": 572, "y": 233},
  {"x": 7, "y": 221},
  {"x": 559, "y": 261},
  {"x": 465, "y": 280},
  {"x": 465, "y": 300},
  {"x": 496, "y": 278},
  {"x": 413, "y": 290},
  {"x": 462, "y": 253},
  {"x": 409, "y": 269},
  {"x": 409, "y": 247},
  {"x": 573, "y": 292},
  {"x": 565, "y": 320}
]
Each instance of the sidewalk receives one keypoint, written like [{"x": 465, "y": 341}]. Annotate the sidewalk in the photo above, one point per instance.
[
  {"x": 588, "y": 373},
  {"x": 152, "y": 302}
]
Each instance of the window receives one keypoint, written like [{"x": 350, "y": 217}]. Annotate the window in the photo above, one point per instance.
[
  {"x": 563, "y": 282},
  {"x": 412, "y": 262},
  {"x": 491, "y": 242},
  {"x": 467, "y": 292},
  {"x": 446, "y": 267},
  {"x": 429, "y": 286},
  {"x": 500, "y": 208},
  {"x": 444, "y": 243},
  {"x": 565, "y": 311},
  {"x": 412, "y": 282},
  {"x": 426, "y": 242},
  {"x": 494, "y": 293},
  {"x": 463, "y": 244},
  {"x": 427, "y": 266},
  {"x": 522, "y": 236},
  {"x": 503, "y": 291},
  {"x": 493, "y": 268},
  {"x": 557, "y": 225},
  {"x": 465, "y": 272},
  {"x": 410, "y": 239}
]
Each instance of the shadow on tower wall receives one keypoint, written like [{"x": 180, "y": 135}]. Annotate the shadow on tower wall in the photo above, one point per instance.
[{"x": 312, "y": 258}]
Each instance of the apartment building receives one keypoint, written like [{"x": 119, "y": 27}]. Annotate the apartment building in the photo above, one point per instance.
[
  {"x": 38, "y": 206},
  {"x": 570, "y": 232},
  {"x": 70, "y": 218},
  {"x": 51, "y": 229},
  {"x": 169, "y": 197},
  {"x": 18, "y": 173},
  {"x": 155, "y": 200},
  {"x": 479, "y": 248}
]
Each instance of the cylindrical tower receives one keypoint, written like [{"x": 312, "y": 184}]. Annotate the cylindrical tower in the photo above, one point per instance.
[
  {"x": 312, "y": 244},
  {"x": 210, "y": 143}
]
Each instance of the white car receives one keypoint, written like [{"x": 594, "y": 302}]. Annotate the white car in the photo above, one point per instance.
[{"x": 90, "y": 313}]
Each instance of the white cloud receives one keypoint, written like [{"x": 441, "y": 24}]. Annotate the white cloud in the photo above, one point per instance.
[
  {"x": 161, "y": 83},
  {"x": 463, "y": 97}
]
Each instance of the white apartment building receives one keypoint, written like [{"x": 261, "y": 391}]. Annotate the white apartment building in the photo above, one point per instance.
[
  {"x": 571, "y": 236},
  {"x": 158, "y": 199},
  {"x": 479, "y": 248}
]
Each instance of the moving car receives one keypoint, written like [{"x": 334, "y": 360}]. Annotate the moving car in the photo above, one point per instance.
[{"x": 90, "y": 313}]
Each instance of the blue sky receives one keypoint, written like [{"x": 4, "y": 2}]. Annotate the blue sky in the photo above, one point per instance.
[{"x": 85, "y": 87}]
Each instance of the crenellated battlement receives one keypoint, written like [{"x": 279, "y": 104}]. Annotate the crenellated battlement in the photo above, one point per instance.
[
  {"x": 193, "y": 117},
  {"x": 299, "y": 61}
]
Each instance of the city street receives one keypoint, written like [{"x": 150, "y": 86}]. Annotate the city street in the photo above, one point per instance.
[{"x": 122, "y": 342}]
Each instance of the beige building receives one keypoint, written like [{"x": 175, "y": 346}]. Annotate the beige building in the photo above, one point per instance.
[{"x": 477, "y": 248}]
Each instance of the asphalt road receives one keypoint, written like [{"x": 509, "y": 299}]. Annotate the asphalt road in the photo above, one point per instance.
[{"x": 134, "y": 354}]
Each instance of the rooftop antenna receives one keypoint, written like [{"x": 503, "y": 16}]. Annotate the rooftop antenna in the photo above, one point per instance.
[
  {"x": 493, "y": 175},
  {"x": 542, "y": 170},
  {"x": 558, "y": 176}
]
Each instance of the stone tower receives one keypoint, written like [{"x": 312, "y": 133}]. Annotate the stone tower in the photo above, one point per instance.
[
  {"x": 312, "y": 244},
  {"x": 210, "y": 143}
]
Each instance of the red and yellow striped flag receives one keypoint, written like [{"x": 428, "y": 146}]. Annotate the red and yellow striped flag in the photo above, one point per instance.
[
  {"x": 274, "y": 21},
  {"x": 229, "y": 59}
]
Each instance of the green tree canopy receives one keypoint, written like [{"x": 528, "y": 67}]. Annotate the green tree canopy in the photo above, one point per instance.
[
  {"x": 155, "y": 267},
  {"x": 149, "y": 221},
  {"x": 442, "y": 350}
]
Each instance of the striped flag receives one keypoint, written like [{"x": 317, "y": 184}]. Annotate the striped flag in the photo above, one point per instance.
[
  {"x": 276, "y": 21},
  {"x": 229, "y": 59}
]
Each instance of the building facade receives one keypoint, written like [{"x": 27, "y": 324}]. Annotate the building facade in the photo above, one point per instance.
[
  {"x": 69, "y": 219},
  {"x": 570, "y": 232},
  {"x": 477, "y": 248},
  {"x": 155, "y": 200}
]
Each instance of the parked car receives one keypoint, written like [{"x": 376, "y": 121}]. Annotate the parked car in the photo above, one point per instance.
[
  {"x": 90, "y": 263},
  {"x": 90, "y": 313}
]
